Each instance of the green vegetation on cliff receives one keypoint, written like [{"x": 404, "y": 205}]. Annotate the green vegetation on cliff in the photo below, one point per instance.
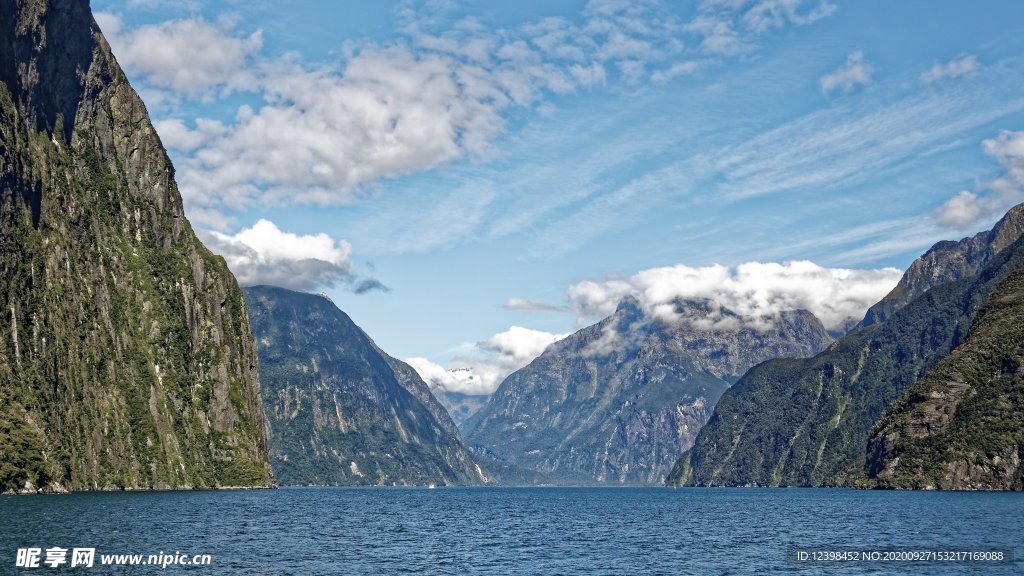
[{"x": 126, "y": 359}]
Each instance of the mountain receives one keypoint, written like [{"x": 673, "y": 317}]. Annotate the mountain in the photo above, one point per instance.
[
  {"x": 807, "y": 422},
  {"x": 946, "y": 262},
  {"x": 341, "y": 411},
  {"x": 126, "y": 360},
  {"x": 961, "y": 426},
  {"x": 617, "y": 402},
  {"x": 460, "y": 406}
]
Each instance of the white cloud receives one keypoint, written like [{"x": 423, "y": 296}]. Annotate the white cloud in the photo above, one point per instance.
[
  {"x": 190, "y": 56},
  {"x": 449, "y": 380},
  {"x": 968, "y": 210},
  {"x": 964, "y": 66},
  {"x": 853, "y": 73},
  {"x": 752, "y": 289},
  {"x": 961, "y": 210},
  {"x": 1008, "y": 150},
  {"x": 264, "y": 254},
  {"x": 488, "y": 363},
  {"x": 517, "y": 346},
  {"x": 322, "y": 135}
]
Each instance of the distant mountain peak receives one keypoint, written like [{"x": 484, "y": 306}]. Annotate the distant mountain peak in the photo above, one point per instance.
[
  {"x": 617, "y": 401},
  {"x": 629, "y": 303}
]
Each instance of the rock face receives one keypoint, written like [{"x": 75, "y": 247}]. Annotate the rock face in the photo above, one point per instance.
[
  {"x": 947, "y": 262},
  {"x": 618, "y": 401},
  {"x": 961, "y": 426},
  {"x": 126, "y": 359},
  {"x": 339, "y": 410},
  {"x": 807, "y": 422}
]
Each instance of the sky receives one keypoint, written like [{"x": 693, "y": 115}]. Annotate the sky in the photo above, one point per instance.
[{"x": 471, "y": 181}]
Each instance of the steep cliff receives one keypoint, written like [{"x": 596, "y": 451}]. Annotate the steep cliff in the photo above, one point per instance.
[
  {"x": 618, "y": 401},
  {"x": 961, "y": 426},
  {"x": 339, "y": 410},
  {"x": 126, "y": 359},
  {"x": 807, "y": 422}
]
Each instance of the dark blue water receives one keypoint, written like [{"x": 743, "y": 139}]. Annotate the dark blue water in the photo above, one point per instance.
[{"x": 514, "y": 530}]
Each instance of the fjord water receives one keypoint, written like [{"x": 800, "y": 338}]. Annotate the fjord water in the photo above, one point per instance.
[{"x": 514, "y": 530}]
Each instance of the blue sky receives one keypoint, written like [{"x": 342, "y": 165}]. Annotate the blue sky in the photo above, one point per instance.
[{"x": 448, "y": 170}]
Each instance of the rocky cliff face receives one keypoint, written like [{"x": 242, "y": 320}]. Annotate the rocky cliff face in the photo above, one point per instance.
[
  {"x": 807, "y": 422},
  {"x": 948, "y": 261},
  {"x": 126, "y": 359},
  {"x": 961, "y": 426},
  {"x": 618, "y": 401},
  {"x": 339, "y": 410}
]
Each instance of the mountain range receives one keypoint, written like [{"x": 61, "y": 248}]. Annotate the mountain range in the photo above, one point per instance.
[{"x": 131, "y": 359}]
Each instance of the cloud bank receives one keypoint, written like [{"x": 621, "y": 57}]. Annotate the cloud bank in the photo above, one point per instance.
[{"x": 751, "y": 289}]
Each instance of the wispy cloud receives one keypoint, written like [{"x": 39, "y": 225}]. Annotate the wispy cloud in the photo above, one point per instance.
[
  {"x": 839, "y": 147},
  {"x": 615, "y": 209},
  {"x": 855, "y": 72},
  {"x": 767, "y": 14},
  {"x": 729, "y": 27},
  {"x": 915, "y": 234},
  {"x": 437, "y": 216},
  {"x": 527, "y": 305}
]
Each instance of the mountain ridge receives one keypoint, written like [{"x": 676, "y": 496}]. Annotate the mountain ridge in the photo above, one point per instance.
[{"x": 948, "y": 261}]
